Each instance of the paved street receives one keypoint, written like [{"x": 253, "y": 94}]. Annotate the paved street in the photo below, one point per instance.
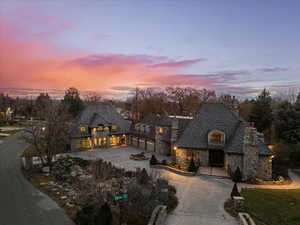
[{"x": 20, "y": 202}]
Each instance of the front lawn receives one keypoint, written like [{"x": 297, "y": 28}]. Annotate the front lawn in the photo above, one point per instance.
[{"x": 273, "y": 207}]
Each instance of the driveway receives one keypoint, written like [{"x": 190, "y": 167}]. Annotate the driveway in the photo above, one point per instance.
[
  {"x": 20, "y": 202},
  {"x": 200, "y": 198},
  {"x": 119, "y": 157}
]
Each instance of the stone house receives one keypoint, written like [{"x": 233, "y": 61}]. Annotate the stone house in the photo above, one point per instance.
[
  {"x": 158, "y": 133},
  {"x": 217, "y": 136},
  {"x": 97, "y": 126}
]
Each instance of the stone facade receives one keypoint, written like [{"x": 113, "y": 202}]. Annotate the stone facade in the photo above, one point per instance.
[
  {"x": 265, "y": 167},
  {"x": 203, "y": 157},
  {"x": 161, "y": 146},
  {"x": 250, "y": 162},
  {"x": 232, "y": 161}
]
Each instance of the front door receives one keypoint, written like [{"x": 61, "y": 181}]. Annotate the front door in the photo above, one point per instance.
[{"x": 216, "y": 158}]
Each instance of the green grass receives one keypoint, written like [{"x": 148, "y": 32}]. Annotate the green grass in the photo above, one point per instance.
[{"x": 273, "y": 207}]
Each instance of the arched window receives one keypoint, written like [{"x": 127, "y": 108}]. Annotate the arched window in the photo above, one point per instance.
[{"x": 216, "y": 137}]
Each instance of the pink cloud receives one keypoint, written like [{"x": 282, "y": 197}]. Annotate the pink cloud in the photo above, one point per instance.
[
  {"x": 33, "y": 63},
  {"x": 102, "y": 36},
  {"x": 178, "y": 64}
]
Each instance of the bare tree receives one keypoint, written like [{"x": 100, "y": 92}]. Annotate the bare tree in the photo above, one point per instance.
[{"x": 50, "y": 136}]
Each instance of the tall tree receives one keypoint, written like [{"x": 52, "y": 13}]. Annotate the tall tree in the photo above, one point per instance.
[
  {"x": 72, "y": 102},
  {"x": 41, "y": 102},
  {"x": 261, "y": 113},
  {"x": 286, "y": 123},
  {"x": 49, "y": 137}
]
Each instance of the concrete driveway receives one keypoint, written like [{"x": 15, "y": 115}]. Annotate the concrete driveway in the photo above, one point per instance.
[
  {"x": 20, "y": 202},
  {"x": 119, "y": 157},
  {"x": 201, "y": 198}
]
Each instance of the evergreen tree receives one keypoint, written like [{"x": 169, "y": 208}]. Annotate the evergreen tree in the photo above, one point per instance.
[
  {"x": 237, "y": 176},
  {"x": 153, "y": 160},
  {"x": 235, "y": 191},
  {"x": 143, "y": 177},
  {"x": 73, "y": 102},
  {"x": 261, "y": 113},
  {"x": 287, "y": 123},
  {"x": 104, "y": 216},
  {"x": 192, "y": 166}
]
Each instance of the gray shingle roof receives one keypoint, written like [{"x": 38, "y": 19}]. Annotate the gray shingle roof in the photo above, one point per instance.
[
  {"x": 102, "y": 114},
  {"x": 216, "y": 116}
]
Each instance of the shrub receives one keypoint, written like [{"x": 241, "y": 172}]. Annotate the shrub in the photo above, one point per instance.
[
  {"x": 237, "y": 176},
  {"x": 235, "y": 191},
  {"x": 153, "y": 160},
  {"x": 104, "y": 216},
  {"x": 192, "y": 166},
  {"x": 143, "y": 177},
  {"x": 85, "y": 216}
]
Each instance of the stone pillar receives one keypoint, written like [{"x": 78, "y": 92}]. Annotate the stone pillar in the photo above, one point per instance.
[
  {"x": 251, "y": 154},
  {"x": 239, "y": 203}
]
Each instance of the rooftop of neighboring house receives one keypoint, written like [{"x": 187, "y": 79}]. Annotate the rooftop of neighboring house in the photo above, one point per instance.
[
  {"x": 102, "y": 114},
  {"x": 216, "y": 117}
]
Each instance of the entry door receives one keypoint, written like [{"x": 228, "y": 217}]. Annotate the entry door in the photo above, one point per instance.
[{"x": 216, "y": 158}]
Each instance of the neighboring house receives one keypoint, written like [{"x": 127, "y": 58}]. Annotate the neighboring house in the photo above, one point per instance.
[
  {"x": 157, "y": 133},
  {"x": 99, "y": 125},
  {"x": 219, "y": 137}
]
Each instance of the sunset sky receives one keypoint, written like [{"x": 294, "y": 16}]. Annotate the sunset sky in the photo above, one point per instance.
[{"x": 113, "y": 46}]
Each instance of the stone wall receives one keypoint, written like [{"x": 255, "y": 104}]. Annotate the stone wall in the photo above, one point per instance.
[
  {"x": 142, "y": 143},
  {"x": 250, "y": 162},
  {"x": 150, "y": 146},
  {"x": 181, "y": 158},
  {"x": 232, "y": 161},
  {"x": 161, "y": 147},
  {"x": 265, "y": 167},
  {"x": 203, "y": 157}
]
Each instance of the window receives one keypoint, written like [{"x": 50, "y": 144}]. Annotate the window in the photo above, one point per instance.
[
  {"x": 106, "y": 128},
  {"x": 161, "y": 130},
  {"x": 83, "y": 129},
  {"x": 94, "y": 131},
  {"x": 216, "y": 137},
  {"x": 114, "y": 127},
  {"x": 100, "y": 128},
  {"x": 83, "y": 143}
]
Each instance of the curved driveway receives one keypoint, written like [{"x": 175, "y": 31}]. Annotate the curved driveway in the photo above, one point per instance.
[{"x": 20, "y": 202}]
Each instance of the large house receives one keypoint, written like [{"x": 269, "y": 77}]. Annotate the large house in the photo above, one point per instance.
[
  {"x": 214, "y": 137},
  {"x": 99, "y": 125},
  {"x": 217, "y": 136}
]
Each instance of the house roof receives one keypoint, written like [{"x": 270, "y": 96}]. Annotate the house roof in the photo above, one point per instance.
[
  {"x": 102, "y": 114},
  {"x": 216, "y": 116}
]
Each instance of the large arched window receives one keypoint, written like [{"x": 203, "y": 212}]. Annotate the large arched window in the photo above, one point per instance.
[{"x": 216, "y": 137}]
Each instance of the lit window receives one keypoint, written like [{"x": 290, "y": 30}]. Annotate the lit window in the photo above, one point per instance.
[
  {"x": 100, "y": 128},
  {"x": 216, "y": 137},
  {"x": 161, "y": 130},
  {"x": 114, "y": 127},
  {"x": 83, "y": 129},
  {"x": 94, "y": 131}
]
